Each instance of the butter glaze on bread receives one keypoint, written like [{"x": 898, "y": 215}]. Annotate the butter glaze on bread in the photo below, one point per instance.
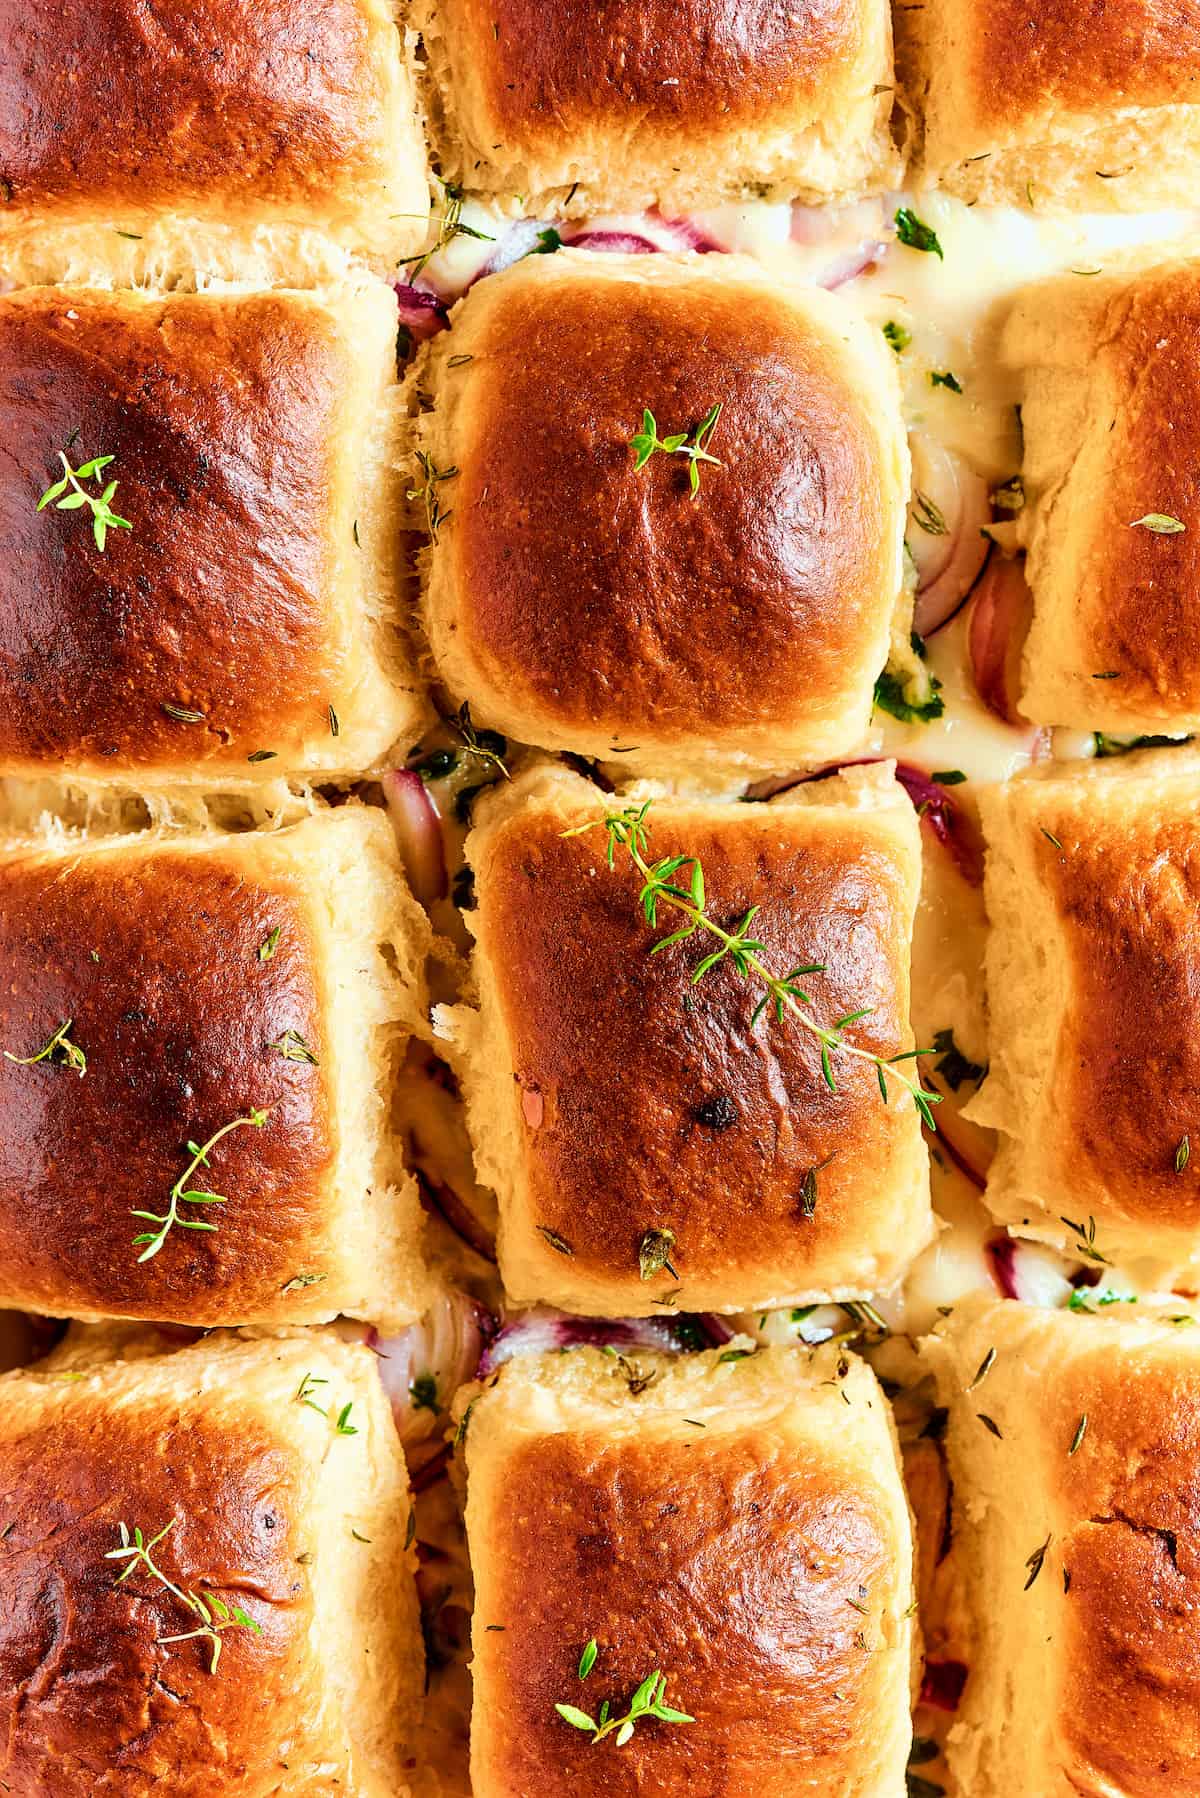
[
  {"x": 251, "y": 436},
  {"x": 1086, "y": 1680},
  {"x": 608, "y": 1095},
  {"x": 1058, "y": 103},
  {"x": 1109, "y": 372},
  {"x": 1092, "y": 888},
  {"x": 263, "y": 1497},
  {"x": 582, "y": 605},
  {"x": 152, "y": 948},
  {"x": 248, "y": 114},
  {"x": 636, "y": 103},
  {"x": 739, "y": 1525}
]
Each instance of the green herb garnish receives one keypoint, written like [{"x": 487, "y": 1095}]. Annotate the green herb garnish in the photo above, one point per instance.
[
  {"x": 74, "y": 497},
  {"x": 450, "y": 226},
  {"x": 424, "y": 1394},
  {"x": 59, "y": 1050},
  {"x": 215, "y": 1613},
  {"x": 916, "y": 233},
  {"x": 181, "y": 1194},
  {"x": 899, "y": 336},
  {"x": 654, "y": 1252},
  {"x": 1086, "y": 1243},
  {"x": 945, "y": 380},
  {"x": 427, "y": 492},
  {"x": 269, "y": 944},
  {"x": 292, "y": 1046},
  {"x": 647, "y": 442},
  {"x": 646, "y": 1702},
  {"x": 1161, "y": 523},
  {"x": 955, "y": 1068},
  {"x": 628, "y": 830}
]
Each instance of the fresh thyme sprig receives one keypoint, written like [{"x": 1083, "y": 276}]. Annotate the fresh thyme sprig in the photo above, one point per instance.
[
  {"x": 214, "y": 1612},
  {"x": 483, "y": 745},
  {"x": 427, "y": 492},
  {"x": 59, "y": 1049},
  {"x": 647, "y": 442},
  {"x": 450, "y": 226},
  {"x": 628, "y": 830},
  {"x": 74, "y": 498},
  {"x": 647, "y": 1701},
  {"x": 182, "y": 1195}
]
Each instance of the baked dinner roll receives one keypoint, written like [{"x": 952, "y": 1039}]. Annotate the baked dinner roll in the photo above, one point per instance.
[
  {"x": 1092, "y": 967},
  {"x": 243, "y": 995},
  {"x": 254, "y": 116},
  {"x": 236, "y": 629},
  {"x": 1055, "y": 103},
  {"x": 739, "y": 1526},
  {"x": 646, "y": 1132},
  {"x": 630, "y": 104},
  {"x": 261, "y": 1483},
  {"x": 1074, "y": 1452},
  {"x": 584, "y": 604},
  {"x": 1110, "y": 377}
]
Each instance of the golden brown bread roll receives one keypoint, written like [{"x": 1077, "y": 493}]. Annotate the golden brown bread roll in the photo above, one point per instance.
[
  {"x": 289, "y": 1507},
  {"x": 636, "y": 103},
  {"x": 584, "y": 605},
  {"x": 208, "y": 980},
  {"x": 1055, "y": 103},
  {"x": 612, "y": 1101},
  {"x": 1074, "y": 1547},
  {"x": 738, "y": 1525},
  {"x": 1091, "y": 888},
  {"x": 256, "y": 116},
  {"x": 1110, "y": 379},
  {"x": 243, "y": 626}
]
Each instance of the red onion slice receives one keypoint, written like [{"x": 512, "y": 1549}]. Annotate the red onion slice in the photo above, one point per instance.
[
  {"x": 422, "y": 313},
  {"x": 949, "y": 507},
  {"x": 689, "y": 235},
  {"x": 545, "y": 1331},
  {"x": 953, "y": 829},
  {"x": 1001, "y": 1252},
  {"x": 442, "y": 1201},
  {"x": 520, "y": 240},
  {"x": 443, "y": 1350},
  {"x": 960, "y": 1159},
  {"x": 852, "y": 263},
  {"x": 944, "y": 597},
  {"x": 628, "y": 243},
  {"x": 999, "y": 620},
  {"x": 418, "y": 833}
]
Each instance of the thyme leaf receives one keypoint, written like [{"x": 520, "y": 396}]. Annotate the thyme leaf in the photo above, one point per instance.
[
  {"x": 60, "y": 1050},
  {"x": 68, "y": 495},
  {"x": 216, "y": 1614},
  {"x": 647, "y": 443},
  {"x": 677, "y": 884},
  {"x": 647, "y": 1701},
  {"x": 182, "y": 1194}
]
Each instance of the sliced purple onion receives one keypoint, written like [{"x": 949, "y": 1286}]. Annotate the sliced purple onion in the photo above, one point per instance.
[
  {"x": 1001, "y": 1252},
  {"x": 1000, "y": 613},
  {"x": 545, "y": 1331},
  {"x": 418, "y": 833},
  {"x": 521, "y": 239},
  {"x": 717, "y": 1330},
  {"x": 423, "y": 1367},
  {"x": 942, "y": 596},
  {"x": 689, "y": 235},
  {"x": 947, "y": 821},
  {"x": 444, "y": 1202},
  {"x": 422, "y": 313},
  {"x": 854, "y": 262},
  {"x": 629, "y": 243}
]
